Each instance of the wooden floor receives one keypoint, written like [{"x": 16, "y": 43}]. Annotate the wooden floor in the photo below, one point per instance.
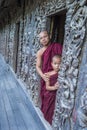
[{"x": 16, "y": 110}]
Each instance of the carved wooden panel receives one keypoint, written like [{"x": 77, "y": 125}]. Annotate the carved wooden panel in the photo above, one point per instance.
[{"x": 75, "y": 31}]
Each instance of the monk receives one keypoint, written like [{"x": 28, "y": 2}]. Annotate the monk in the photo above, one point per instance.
[
  {"x": 51, "y": 86},
  {"x": 44, "y": 58}
]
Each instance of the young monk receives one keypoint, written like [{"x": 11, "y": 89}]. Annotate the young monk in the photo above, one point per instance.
[
  {"x": 44, "y": 57},
  {"x": 51, "y": 88}
]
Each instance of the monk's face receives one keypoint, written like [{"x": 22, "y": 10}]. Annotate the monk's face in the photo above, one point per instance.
[
  {"x": 56, "y": 63},
  {"x": 44, "y": 38}
]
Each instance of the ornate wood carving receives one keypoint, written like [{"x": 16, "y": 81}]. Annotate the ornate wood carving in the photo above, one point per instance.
[{"x": 74, "y": 36}]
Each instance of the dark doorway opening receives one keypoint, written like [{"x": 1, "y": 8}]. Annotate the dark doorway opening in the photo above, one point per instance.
[
  {"x": 19, "y": 3},
  {"x": 57, "y": 27},
  {"x": 16, "y": 46}
]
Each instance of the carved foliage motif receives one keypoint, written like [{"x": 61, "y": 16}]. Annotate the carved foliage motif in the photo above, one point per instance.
[
  {"x": 74, "y": 36},
  {"x": 82, "y": 111}
]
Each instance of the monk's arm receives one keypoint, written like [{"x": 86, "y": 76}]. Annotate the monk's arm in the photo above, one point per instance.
[
  {"x": 51, "y": 88},
  {"x": 44, "y": 76},
  {"x": 39, "y": 63}
]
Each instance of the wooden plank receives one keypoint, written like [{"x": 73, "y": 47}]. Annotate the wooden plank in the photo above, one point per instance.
[
  {"x": 16, "y": 97},
  {"x": 30, "y": 117},
  {"x": 30, "y": 108},
  {"x": 10, "y": 88},
  {"x": 3, "y": 116},
  {"x": 9, "y": 112}
]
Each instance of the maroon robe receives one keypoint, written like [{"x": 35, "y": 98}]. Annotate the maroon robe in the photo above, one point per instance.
[
  {"x": 49, "y": 100},
  {"x": 51, "y": 50}
]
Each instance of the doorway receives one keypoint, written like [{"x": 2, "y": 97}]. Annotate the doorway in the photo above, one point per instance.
[{"x": 57, "y": 27}]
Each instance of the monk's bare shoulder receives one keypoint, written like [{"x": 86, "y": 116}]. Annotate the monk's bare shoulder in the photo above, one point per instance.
[{"x": 40, "y": 52}]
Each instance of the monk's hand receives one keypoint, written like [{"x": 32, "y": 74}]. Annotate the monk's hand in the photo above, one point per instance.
[
  {"x": 56, "y": 85},
  {"x": 46, "y": 77}
]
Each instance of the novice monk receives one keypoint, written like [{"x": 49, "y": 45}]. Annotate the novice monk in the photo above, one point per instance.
[
  {"x": 44, "y": 58},
  {"x": 51, "y": 88}
]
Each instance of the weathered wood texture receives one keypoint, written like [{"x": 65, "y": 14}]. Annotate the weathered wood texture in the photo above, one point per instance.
[
  {"x": 16, "y": 110},
  {"x": 71, "y": 107}
]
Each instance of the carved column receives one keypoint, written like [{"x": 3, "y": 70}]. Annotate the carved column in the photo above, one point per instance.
[
  {"x": 64, "y": 114},
  {"x": 81, "y": 98}
]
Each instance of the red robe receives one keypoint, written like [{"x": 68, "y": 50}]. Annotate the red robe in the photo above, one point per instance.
[
  {"x": 52, "y": 50},
  {"x": 49, "y": 100}
]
